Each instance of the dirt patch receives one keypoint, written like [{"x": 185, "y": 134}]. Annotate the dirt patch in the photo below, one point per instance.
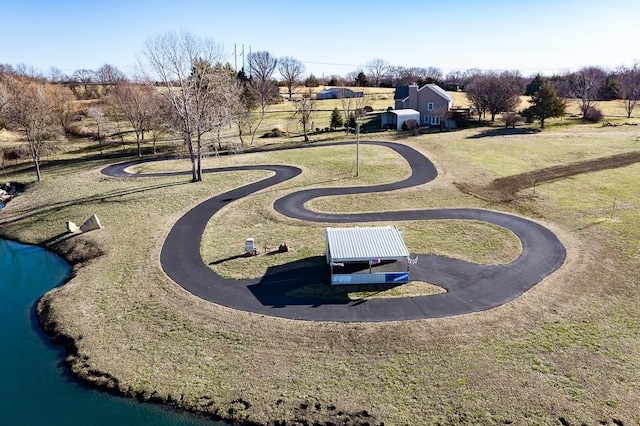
[{"x": 505, "y": 189}]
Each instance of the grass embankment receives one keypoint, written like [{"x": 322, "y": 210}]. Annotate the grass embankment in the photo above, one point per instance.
[{"x": 567, "y": 351}]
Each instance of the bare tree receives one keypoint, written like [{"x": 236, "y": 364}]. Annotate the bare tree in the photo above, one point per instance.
[
  {"x": 171, "y": 61},
  {"x": 84, "y": 77},
  {"x": 443, "y": 114},
  {"x": 477, "y": 94},
  {"x": 377, "y": 70},
  {"x": 6, "y": 70},
  {"x": 29, "y": 71},
  {"x": 262, "y": 65},
  {"x": 585, "y": 84},
  {"x": 96, "y": 113},
  {"x": 262, "y": 86},
  {"x": 353, "y": 109},
  {"x": 57, "y": 76},
  {"x": 4, "y": 98},
  {"x": 495, "y": 93},
  {"x": 403, "y": 76},
  {"x": 348, "y": 107},
  {"x": 223, "y": 95},
  {"x": 432, "y": 74},
  {"x": 629, "y": 79},
  {"x": 262, "y": 94},
  {"x": 64, "y": 106},
  {"x": 244, "y": 116},
  {"x": 135, "y": 102},
  {"x": 305, "y": 108},
  {"x": 160, "y": 119},
  {"x": 109, "y": 75},
  {"x": 291, "y": 71},
  {"x": 30, "y": 109}
]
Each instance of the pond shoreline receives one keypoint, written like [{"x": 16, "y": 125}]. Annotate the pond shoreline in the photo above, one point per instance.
[{"x": 80, "y": 367}]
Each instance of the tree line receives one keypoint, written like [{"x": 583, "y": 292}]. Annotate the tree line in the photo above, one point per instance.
[{"x": 186, "y": 88}]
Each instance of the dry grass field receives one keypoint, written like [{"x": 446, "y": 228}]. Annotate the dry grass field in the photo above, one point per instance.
[{"x": 566, "y": 352}]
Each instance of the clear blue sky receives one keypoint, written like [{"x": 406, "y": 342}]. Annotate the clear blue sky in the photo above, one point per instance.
[{"x": 331, "y": 36}]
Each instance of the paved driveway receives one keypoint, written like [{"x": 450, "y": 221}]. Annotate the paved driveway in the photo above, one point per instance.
[{"x": 470, "y": 287}]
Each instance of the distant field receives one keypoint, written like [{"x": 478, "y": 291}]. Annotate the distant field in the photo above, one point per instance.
[{"x": 282, "y": 116}]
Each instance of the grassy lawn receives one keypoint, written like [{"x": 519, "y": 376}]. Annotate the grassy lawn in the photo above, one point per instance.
[{"x": 566, "y": 352}]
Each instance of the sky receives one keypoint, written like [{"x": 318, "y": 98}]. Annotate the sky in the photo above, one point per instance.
[{"x": 330, "y": 37}]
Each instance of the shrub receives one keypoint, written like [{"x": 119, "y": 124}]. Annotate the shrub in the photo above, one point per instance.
[
  {"x": 510, "y": 119},
  {"x": 275, "y": 133},
  {"x": 15, "y": 154},
  {"x": 593, "y": 115},
  {"x": 411, "y": 125}
]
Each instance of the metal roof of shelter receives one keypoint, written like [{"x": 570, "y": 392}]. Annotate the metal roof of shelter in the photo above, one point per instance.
[
  {"x": 407, "y": 112},
  {"x": 361, "y": 244}
]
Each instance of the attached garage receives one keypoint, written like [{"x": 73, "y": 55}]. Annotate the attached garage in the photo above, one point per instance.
[{"x": 367, "y": 255}]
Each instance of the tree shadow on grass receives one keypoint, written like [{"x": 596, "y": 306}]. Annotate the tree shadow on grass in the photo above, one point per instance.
[
  {"x": 112, "y": 196},
  {"x": 504, "y": 132}
]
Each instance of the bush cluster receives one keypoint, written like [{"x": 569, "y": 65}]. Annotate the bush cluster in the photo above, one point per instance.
[{"x": 593, "y": 115}]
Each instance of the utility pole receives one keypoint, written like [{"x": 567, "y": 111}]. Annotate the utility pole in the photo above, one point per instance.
[
  {"x": 243, "y": 70},
  {"x": 357, "y": 147}
]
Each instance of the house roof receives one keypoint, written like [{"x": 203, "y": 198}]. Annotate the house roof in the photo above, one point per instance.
[
  {"x": 440, "y": 91},
  {"x": 361, "y": 244},
  {"x": 338, "y": 90},
  {"x": 402, "y": 92},
  {"x": 335, "y": 90}
]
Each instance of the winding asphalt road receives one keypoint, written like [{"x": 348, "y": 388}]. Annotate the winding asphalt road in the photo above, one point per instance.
[{"x": 470, "y": 287}]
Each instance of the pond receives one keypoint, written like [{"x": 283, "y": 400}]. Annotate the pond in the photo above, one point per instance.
[{"x": 36, "y": 386}]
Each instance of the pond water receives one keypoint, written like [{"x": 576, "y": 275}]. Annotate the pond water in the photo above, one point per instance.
[{"x": 35, "y": 385}]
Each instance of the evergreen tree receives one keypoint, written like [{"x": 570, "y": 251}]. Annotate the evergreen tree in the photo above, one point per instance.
[
  {"x": 534, "y": 85},
  {"x": 610, "y": 89},
  {"x": 242, "y": 76},
  {"x": 545, "y": 103},
  {"x": 336, "y": 119},
  {"x": 311, "y": 81},
  {"x": 352, "y": 121},
  {"x": 362, "y": 80}
]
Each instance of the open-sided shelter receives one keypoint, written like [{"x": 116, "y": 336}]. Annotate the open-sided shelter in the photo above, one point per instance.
[
  {"x": 395, "y": 118},
  {"x": 367, "y": 255}
]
